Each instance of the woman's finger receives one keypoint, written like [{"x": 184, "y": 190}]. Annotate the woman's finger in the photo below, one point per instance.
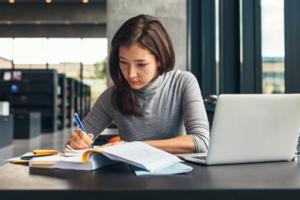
[
  {"x": 86, "y": 139},
  {"x": 91, "y": 135},
  {"x": 76, "y": 136},
  {"x": 75, "y": 145}
]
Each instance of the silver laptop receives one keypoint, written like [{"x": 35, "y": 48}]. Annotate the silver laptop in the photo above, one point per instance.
[{"x": 252, "y": 128}]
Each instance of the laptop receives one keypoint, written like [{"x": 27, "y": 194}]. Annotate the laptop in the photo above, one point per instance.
[{"x": 252, "y": 128}]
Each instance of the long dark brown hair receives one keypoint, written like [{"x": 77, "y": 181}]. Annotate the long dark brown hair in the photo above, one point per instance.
[{"x": 149, "y": 32}]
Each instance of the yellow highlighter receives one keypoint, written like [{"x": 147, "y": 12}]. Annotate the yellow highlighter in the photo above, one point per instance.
[
  {"x": 24, "y": 159},
  {"x": 45, "y": 152}
]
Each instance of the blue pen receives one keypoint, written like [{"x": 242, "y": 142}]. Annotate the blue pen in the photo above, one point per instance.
[{"x": 78, "y": 122}]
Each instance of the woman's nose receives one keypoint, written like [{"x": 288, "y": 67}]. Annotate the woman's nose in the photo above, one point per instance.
[{"x": 132, "y": 72}]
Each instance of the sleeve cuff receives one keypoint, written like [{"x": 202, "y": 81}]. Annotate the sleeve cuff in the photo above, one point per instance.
[{"x": 201, "y": 146}]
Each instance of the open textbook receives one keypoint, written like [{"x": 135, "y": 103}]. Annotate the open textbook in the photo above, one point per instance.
[{"x": 146, "y": 159}]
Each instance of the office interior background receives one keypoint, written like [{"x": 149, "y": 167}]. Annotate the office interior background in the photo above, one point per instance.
[{"x": 53, "y": 56}]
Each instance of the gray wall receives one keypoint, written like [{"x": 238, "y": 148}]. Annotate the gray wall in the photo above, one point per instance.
[{"x": 172, "y": 14}]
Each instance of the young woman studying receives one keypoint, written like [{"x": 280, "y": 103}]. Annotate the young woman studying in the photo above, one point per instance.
[{"x": 149, "y": 101}]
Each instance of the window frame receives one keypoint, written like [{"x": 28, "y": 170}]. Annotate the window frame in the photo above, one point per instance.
[{"x": 292, "y": 46}]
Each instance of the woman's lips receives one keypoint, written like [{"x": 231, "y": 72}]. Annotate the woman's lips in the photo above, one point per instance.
[{"x": 135, "y": 83}]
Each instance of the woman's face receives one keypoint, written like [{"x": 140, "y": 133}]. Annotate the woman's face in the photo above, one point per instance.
[{"x": 138, "y": 65}]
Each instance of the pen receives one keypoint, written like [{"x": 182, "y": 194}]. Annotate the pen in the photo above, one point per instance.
[
  {"x": 78, "y": 122},
  {"x": 80, "y": 125}
]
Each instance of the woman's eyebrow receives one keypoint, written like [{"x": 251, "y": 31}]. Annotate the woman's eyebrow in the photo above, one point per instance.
[
  {"x": 122, "y": 58},
  {"x": 140, "y": 60}
]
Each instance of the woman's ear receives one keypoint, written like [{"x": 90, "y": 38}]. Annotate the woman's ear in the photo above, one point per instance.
[
  {"x": 158, "y": 64},
  {"x": 159, "y": 69}
]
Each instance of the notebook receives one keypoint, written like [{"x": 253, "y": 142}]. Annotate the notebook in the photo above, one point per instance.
[
  {"x": 70, "y": 162},
  {"x": 138, "y": 154}
]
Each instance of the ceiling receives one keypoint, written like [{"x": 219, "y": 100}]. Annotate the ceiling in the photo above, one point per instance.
[
  {"x": 63, "y": 18},
  {"x": 53, "y": 1}
]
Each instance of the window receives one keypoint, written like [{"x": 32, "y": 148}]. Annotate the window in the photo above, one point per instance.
[
  {"x": 217, "y": 44},
  {"x": 272, "y": 26},
  {"x": 6, "y": 46},
  {"x": 66, "y": 55}
]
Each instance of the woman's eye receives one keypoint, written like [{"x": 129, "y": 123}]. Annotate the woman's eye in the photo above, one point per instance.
[
  {"x": 123, "y": 63},
  {"x": 142, "y": 65}
]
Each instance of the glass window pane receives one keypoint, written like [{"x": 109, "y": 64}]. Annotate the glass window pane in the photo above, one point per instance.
[
  {"x": 94, "y": 74},
  {"x": 6, "y": 50},
  {"x": 64, "y": 50},
  {"x": 63, "y": 54},
  {"x": 94, "y": 50},
  {"x": 217, "y": 40},
  {"x": 71, "y": 70},
  {"x": 29, "y": 50},
  {"x": 272, "y": 24},
  {"x": 6, "y": 53}
]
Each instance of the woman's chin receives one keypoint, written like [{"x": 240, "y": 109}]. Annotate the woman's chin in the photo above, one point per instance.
[{"x": 136, "y": 86}]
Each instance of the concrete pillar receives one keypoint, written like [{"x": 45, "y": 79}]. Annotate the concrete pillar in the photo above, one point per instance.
[{"x": 172, "y": 13}]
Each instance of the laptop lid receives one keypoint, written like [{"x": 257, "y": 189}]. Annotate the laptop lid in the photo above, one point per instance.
[{"x": 254, "y": 128}]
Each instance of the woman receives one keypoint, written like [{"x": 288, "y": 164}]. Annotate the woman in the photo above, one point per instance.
[{"x": 149, "y": 101}]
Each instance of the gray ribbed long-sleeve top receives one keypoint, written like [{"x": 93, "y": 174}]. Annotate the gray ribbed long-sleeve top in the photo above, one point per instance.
[{"x": 172, "y": 105}]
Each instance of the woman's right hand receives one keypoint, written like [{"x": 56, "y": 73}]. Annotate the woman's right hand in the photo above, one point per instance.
[{"x": 80, "y": 139}]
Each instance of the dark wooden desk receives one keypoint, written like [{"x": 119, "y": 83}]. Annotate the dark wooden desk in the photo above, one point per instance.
[{"x": 278, "y": 180}]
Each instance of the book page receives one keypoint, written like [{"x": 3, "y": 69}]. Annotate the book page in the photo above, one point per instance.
[
  {"x": 177, "y": 168},
  {"x": 73, "y": 152},
  {"x": 141, "y": 155},
  {"x": 45, "y": 161}
]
